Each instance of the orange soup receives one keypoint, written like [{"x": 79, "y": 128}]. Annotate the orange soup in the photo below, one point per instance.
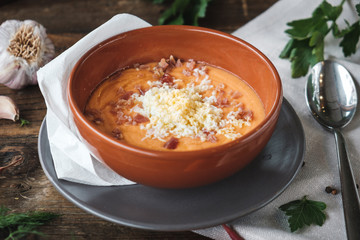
[{"x": 174, "y": 105}]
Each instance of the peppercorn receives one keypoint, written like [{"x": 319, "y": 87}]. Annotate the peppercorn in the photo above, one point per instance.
[
  {"x": 328, "y": 189},
  {"x": 331, "y": 190}
]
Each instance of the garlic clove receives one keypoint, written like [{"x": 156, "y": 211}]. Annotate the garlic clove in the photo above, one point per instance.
[
  {"x": 8, "y": 109},
  {"x": 24, "y": 48},
  {"x": 12, "y": 74}
]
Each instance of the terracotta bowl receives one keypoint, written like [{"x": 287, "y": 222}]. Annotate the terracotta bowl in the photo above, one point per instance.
[{"x": 168, "y": 169}]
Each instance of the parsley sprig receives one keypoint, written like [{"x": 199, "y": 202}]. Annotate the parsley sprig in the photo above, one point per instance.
[
  {"x": 183, "y": 12},
  {"x": 304, "y": 212},
  {"x": 18, "y": 225},
  {"x": 306, "y": 46}
]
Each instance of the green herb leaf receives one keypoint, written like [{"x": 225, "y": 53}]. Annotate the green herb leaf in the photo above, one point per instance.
[
  {"x": 351, "y": 38},
  {"x": 304, "y": 212},
  {"x": 302, "y": 55},
  {"x": 300, "y": 28},
  {"x": 306, "y": 46},
  {"x": 23, "y": 122},
  {"x": 199, "y": 11},
  {"x": 20, "y": 224},
  {"x": 331, "y": 12},
  {"x": 183, "y": 12}
]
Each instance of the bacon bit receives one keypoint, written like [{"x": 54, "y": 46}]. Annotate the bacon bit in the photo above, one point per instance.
[
  {"x": 178, "y": 63},
  {"x": 167, "y": 78},
  {"x": 123, "y": 97},
  {"x": 190, "y": 64},
  {"x": 126, "y": 95},
  {"x": 140, "y": 89},
  {"x": 212, "y": 138},
  {"x": 172, "y": 143},
  {"x": 235, "y": 94},
  {"x": 172, "y": 60},
  {"x": 240, "y": 105},
  {"x": 170, "y": 64},
  {"x": 119, "y": 105},
  {"x": 115, "y": 112},
  {"x": 204, "y": 70},
  {"x": 116, "y": 133},
  {"x": 163, "y": 64},
  {"x": 121, "y": 118},
  {"x": 221, "y": 102},
  {"x": 245, "y": 115},
  {"x": 201, "y": 65},
  {"x": 206, "y": 132},
  {"x": 112, "y": 105},
  {"x": 186, "y": 72},
  {"x": 158, "y": 72},
  {"x": 94, "y": 115},
  {"x": 140, "y": 118},
  {"x": 169, "y": 69},
  {"x": 122, "y": 103}
]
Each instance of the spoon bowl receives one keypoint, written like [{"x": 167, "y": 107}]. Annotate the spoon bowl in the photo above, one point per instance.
[
  {"x": 331, "y": 94},
  {"x": 332, "y": 99}
]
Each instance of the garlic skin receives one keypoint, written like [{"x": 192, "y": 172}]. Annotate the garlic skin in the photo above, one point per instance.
[
  {"x": 8, "y": 109},
  {"x": 24, "y": 48}
]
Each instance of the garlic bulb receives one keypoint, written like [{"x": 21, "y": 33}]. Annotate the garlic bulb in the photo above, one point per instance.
[
  {"x": 8, "y": 109},
  {"x": 24, "y": 48}
]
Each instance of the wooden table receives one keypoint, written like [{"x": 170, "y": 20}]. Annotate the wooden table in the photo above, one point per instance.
[{"x": 24, "y": 186}]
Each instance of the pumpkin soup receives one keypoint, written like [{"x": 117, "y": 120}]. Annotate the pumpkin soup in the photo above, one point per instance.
[{"x": 174, "y": 105}]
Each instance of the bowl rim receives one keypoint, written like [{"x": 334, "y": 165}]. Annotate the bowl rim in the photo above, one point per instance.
[{"x": 77, "y": 113}]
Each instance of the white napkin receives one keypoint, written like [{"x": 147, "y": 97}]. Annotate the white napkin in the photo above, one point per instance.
[
  {"x": 266, "y": 32},
  {"x": 72, "y": 159}
]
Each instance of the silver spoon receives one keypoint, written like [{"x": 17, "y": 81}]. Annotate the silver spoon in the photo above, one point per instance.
[{"x": 332, "y": 99}]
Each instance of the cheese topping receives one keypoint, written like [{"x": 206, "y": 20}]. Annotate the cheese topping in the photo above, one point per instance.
[{"x": 184, "y": 112}]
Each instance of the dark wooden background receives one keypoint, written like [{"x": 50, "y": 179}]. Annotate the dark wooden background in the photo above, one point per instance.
[{"x": 23, "y": 186}]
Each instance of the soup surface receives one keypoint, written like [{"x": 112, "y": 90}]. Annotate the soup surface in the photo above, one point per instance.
[{"x": 174, "y": 105}]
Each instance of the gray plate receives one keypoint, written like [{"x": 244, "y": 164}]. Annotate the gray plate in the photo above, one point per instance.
[{"x": 179, "y": 210}]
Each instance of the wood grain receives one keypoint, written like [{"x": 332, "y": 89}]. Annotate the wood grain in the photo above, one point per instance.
[{"x": 23, "y": 185}]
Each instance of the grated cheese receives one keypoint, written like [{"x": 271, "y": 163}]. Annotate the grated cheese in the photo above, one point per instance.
[{"x": 184, "y": 112}]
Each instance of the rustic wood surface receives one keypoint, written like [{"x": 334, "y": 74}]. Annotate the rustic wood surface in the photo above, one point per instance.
[{"x": 23, "y": 185}]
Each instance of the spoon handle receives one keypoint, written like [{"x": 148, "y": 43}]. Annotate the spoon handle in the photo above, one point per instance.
[{"x": 349, "y": 193}]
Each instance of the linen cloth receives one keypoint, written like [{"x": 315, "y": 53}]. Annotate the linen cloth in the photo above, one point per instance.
[
  {"x": 74, "y": 163},
  {"x": 72, "y": 159}
]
